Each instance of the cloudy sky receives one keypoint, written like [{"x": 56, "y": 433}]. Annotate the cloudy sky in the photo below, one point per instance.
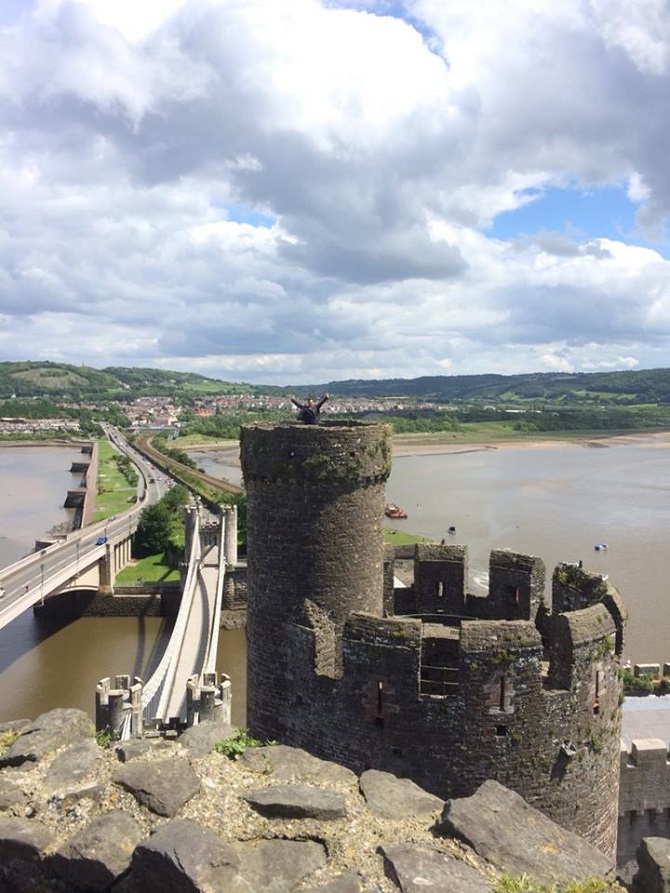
[{"x": 297, "y": 191}]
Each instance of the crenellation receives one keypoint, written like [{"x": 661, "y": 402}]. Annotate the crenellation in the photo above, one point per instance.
[
  {"x": 423, "y": 679},
  {"x": 516, "y": 585},
  {"x": 644, "y": 799}
]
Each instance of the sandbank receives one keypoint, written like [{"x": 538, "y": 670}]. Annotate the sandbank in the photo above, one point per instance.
[
  {"x": 405, "y": 446},
  {"x": 420, "y": 445}
]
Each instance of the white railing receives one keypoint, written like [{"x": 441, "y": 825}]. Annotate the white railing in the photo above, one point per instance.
[
  {"x": 157, "y": 690},
  {"x": 215, "y": 618}
]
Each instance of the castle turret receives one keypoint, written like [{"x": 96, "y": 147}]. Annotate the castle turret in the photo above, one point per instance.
[{"x": 315, "y": 546}]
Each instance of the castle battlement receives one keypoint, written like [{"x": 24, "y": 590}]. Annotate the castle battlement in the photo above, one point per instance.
[
  {"x": 644, "y": 799},
  {"x": 425, "y": 680}
]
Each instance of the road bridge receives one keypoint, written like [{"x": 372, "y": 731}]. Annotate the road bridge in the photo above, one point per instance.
[{"x": 84, "y": 559}]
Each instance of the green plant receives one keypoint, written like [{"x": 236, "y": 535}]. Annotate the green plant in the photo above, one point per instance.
[
  {"x": 636, "y": 685},
  {"x": 509, "y": 883},
  {"x": 103, "y": 738},
  {"x": 235, "y": 746},
  {"x": 591, "y": 885},
  {"x": 7, "y": 738}
]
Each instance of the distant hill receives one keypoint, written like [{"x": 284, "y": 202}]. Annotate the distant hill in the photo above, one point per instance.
[
  {"x": 60, "y": 381},
  {"x": 66, "y": 382},
  {"x": 645, "y": 386}
]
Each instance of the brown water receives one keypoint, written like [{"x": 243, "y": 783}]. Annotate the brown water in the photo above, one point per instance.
[
  {"x": 45, "y": 664},
  {"x": 555, "y": 502}
]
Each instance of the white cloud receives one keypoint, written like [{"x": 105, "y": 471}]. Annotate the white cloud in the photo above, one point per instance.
[{"x": 298, "y": 192}]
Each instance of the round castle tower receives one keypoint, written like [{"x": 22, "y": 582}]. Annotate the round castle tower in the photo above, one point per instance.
[
  {"x": 426, "y": 681},
  {"x": 315, "y": 547}
]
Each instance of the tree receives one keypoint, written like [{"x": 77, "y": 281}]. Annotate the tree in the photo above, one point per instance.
[{"x": 154, "y": 530}]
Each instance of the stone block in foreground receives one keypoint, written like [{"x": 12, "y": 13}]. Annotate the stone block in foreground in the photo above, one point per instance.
[
  {"x": 653, "y": 859},
  {"x": 502, "y": 828}
]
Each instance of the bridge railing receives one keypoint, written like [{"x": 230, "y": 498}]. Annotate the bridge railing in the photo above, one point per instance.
[
  {"x": 157, "y": 690},
  {"x": 215, "y": 620}
]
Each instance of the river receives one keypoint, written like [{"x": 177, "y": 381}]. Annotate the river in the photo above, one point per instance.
[
  {"x": 45, "y": 664},
  {"x": 554, "y": 501}
]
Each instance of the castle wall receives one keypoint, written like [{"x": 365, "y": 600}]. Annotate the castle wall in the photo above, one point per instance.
[
  {"x": 644, "y": 803},
  {"x": 449, "y": 706}
]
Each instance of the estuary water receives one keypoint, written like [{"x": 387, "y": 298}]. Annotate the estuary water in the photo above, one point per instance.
[
  {"x": 46, "y": 664},
  {"x": 554, "y": 501}
]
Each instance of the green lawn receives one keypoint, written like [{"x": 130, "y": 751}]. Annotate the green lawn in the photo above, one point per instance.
[
  {"x": 147, "y": 570},
  {"x": 402, "y": 537},
  {"x": 114, "y": 493}
]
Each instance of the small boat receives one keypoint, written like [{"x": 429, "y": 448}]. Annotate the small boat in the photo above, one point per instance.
[
  {"x": 452, "y": 530},
  {"x": 600, "y": 547},
  {"x": 391, "y": 510}
]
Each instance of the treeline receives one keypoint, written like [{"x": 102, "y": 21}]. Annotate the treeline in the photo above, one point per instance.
[
  {"x": 427, "y": 421},
  {"x": 161, "y": 444}
]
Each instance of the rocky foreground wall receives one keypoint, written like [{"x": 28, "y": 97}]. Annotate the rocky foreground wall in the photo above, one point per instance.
[{"x": 154, "y": 815}]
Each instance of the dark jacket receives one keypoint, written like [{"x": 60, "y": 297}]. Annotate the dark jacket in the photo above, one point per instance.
[{"x": 310, "y": 415}]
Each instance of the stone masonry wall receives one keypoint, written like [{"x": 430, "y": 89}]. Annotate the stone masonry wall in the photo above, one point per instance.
[
  {"x": 314, "y": 548},
  {"x": 329, "y": 672},
  {"x": 644, "y": 803}
]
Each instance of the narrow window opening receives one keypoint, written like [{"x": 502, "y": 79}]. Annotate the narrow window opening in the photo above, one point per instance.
[
  {"x": 502, "y": 693},
  {"x": 501, "y": 731},
  {"x": 596, "y": 699}
]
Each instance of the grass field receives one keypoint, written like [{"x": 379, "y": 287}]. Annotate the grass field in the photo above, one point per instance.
[
  {"x": 402, "y": 537},
  {"x": 147, "y": 570},
  {"x": 114, "y": 493}
]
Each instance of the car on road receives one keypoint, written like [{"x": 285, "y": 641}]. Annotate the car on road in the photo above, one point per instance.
[{"x": 101, "y": 540}]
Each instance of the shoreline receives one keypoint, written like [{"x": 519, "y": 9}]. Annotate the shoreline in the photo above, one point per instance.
[{"x": 405, "y": 446}]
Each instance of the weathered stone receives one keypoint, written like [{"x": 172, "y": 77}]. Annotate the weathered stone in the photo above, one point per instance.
[
  {"x": 100, "y": 853},
  {"x": 653, "y": 859},
  {"x": 15, "y": 726},
  {"x": 502, "y": 828},
  {"x": 12, "y": 798},
  {"x": 184, "y": 857},
  {"x": 396, "y": 798},
  {"x": 276, "y": 866},
  {"x": 163, "y": 786},
  {"x": 345, "y": 883},
  {"x": 142, "y": 747},
  {"x": 47, "y": 734},
  {"x": 74, "y": 769},
  {"x": 294, "y": 764},
  {"x": 415, "y": 869},
  {"x": 201, "y": 739},
  {"x": 297, "y": 802},
  {"x": 22, "y": 840}
]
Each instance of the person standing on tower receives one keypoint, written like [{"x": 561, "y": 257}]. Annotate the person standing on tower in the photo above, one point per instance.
[{"x": 310, "y": 411}]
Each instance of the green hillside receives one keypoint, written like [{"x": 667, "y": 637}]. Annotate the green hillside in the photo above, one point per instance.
[{"x": 60, "y": 381}]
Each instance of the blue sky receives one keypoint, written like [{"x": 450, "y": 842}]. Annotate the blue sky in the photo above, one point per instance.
[
  {"x": 581, "y": 214},
  {"x": 312, "y": 191}
]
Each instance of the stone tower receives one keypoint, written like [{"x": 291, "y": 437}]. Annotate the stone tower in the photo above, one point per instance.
[
  {"x": 423, "y": 680},
  {"x": 315, "y": 548}
]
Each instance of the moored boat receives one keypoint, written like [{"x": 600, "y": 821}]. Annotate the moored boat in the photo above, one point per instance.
[{"x": 391, "y": 510}]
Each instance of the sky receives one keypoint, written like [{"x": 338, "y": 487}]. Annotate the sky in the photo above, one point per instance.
[{"x": 301, "y": 191}]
